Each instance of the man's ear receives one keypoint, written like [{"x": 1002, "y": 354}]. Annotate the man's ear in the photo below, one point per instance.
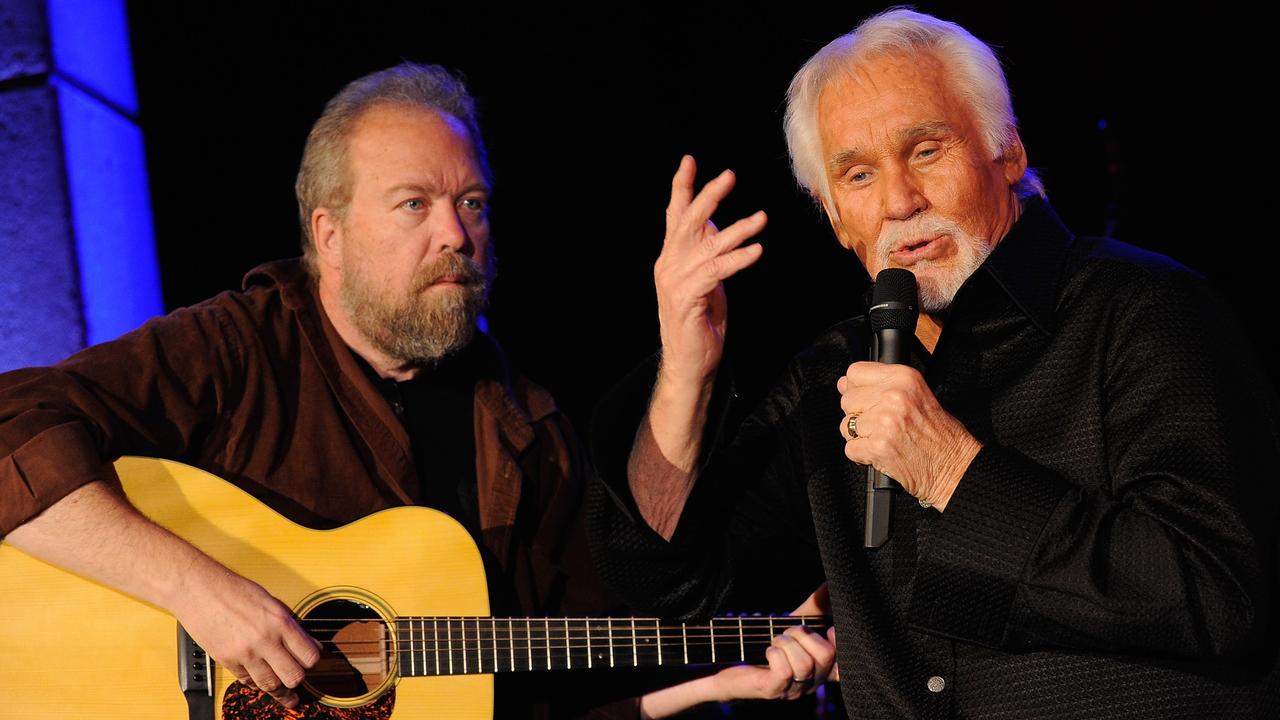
[
  {"x": 1014, "y": 160},
  {"x": 326, "y": 232}
]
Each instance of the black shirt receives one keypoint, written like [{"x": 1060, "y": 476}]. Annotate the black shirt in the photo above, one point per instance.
[
  {"x": 436, "y": 408},
  {"x": 1111, "y": 551}
]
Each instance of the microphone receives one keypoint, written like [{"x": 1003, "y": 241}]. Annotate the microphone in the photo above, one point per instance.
[{"x": 894, "y": 310}]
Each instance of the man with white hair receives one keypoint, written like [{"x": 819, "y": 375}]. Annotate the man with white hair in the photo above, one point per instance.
[{"x": 1085, "y": 447}]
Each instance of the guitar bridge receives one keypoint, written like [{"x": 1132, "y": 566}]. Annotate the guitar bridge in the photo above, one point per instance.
[{"x": 195, "y": 677}]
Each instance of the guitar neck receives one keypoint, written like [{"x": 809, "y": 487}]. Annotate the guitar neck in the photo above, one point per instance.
[{"x": 468, "y": 645}]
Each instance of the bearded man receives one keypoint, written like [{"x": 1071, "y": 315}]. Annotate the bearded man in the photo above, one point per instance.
[
  {"x": 330, "y": 387},
  {"x": 1086, "y": 451}
]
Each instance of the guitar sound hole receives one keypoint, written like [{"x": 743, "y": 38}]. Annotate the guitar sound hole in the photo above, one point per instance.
[{"x": 355, "y": 649}]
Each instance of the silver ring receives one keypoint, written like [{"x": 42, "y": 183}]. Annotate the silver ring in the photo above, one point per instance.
[{"x": 802, "y": 681}]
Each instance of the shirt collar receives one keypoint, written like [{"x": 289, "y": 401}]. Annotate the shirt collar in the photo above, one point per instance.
[{"x": 1027, "y": 264}]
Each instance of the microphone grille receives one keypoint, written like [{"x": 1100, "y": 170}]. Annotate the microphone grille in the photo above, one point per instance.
[{"x": 894, "y": 301}]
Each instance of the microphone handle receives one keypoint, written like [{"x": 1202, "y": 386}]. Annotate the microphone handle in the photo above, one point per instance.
[
  {"x": 890, "y": 346},
  {"x": 887, "y": 346}
]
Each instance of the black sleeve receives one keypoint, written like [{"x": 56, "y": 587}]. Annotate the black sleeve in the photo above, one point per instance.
[
  {"x": 1174, "y": 553},
  {"x": 745, "y": 541}
]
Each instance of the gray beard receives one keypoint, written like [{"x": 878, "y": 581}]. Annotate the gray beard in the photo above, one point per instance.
[
  {"x": 418, "y": 329},
  {"x": 936, "y": 295}
]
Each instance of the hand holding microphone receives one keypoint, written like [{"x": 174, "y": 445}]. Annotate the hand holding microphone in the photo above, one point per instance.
[{"x": 893, "y": 424}]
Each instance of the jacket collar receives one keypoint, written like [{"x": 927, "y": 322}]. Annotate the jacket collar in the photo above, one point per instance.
[
  {"x": 1027, "y": 265},
  {"x": 514, "y": 406}
]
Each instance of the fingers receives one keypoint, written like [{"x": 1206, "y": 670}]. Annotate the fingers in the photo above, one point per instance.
[
  {"x": 699, "y": 210},
  {"x": 280, "y": 669},
  {"x": 249, "y": 632},
  {"x": 894, "y": 423},
  {"x": 304, "y": 648},
  {"x": 866, "y": 374},
  {"x": 810, "y": 654},
  {"x": 695, "y": 255},
  {"x": 739, "y": 232},
  {"x": 809, "y": 659},
  {"x": 687, "y": 213},
  {"x": 780, "y": 683},
  {"x": 689, "y": 277},
  {"x": 798, "y": 660},
  {"x": 689, "y": 217},
  {"x": 693, "y": 272},
  {"x": 848, "y": 424},
  {"x": 862, "y": 448},
  {"x": 823, "y": 656},
  {"x": 265, "y": 678},
  {"x": 682, "y": 187},
  {"x": 722, "y": 267},
  {"x": 868, "y": 386},
  {"x": 834, "y": 675}
]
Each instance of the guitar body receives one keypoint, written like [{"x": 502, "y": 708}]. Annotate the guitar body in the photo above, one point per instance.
[{"x": 71, "y": 648}]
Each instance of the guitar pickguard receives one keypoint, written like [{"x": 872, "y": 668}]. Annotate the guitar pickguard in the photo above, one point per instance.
[{"x": 242, "y": 702}]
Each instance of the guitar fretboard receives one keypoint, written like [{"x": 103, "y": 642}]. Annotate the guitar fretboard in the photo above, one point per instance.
[{"x": 468, "y": 645}]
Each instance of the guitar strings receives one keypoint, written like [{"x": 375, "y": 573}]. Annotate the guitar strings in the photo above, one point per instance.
[
  {"x": 601, "y": 638},
  {"x": 542, "y": 637},
  {"x": 593, "y": 634},
  {"x": 540, "y": 646},
  {"x": 619, "y": 621},
  {"x": 501, "y": 659},
  {"x": 783, "y": 621}
]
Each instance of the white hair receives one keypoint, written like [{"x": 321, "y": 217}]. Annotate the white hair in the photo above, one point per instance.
[{"x": 972, "y": 68}]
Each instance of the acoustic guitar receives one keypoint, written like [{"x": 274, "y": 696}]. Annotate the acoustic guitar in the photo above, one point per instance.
[{"x": 396, "y": 596}]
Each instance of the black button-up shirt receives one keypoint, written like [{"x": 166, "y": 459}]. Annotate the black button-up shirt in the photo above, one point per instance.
[{"x": 1111, "y": 551}]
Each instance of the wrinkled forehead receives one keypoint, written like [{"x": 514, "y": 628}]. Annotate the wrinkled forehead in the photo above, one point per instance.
[
  {"x": 389, "y": 128},
  {"x": 385, "y": 123},
  {"x": 883, "y": 98},
  {"x": 412, "y": 140},
  {"x": 888, "y": 78}
]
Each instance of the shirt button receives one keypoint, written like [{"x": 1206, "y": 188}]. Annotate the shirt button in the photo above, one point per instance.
[{"x": 937, "y": 684}]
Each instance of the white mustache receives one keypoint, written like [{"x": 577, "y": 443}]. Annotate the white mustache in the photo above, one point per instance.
[{"x": 897, "y": 234}]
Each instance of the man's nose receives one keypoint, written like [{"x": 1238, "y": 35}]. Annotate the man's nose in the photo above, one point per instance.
[
  {"x": 451, "y": 232},
  {"x": 902, "y": 195}
]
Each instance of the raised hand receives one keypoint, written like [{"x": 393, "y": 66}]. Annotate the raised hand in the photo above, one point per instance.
[
  {"x": 696, "y": 258},
  {"x": 689, "y": 275}
]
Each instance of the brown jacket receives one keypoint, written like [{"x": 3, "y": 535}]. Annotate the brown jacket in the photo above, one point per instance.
[{"x": 258, "y": 388}]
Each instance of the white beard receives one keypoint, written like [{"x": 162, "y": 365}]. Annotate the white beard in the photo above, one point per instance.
[{"x": 936, "y": 292}]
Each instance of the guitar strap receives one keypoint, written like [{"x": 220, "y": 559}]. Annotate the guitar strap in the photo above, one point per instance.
[{"x": 195, "y": 677}]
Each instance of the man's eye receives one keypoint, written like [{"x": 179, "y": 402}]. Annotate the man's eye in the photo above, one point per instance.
[
  {"x": 415, "y": 204},
  {"x": 927, "y": 152},
  {"x": 859, "y": 177},
  {"x": 473, "y": 204}
]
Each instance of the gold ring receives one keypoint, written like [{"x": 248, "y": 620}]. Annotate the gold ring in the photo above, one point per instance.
[{"x": 852, "y": 426}]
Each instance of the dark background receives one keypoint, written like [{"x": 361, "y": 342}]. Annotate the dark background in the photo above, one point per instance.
[{"x": 1127, "y": 115}]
